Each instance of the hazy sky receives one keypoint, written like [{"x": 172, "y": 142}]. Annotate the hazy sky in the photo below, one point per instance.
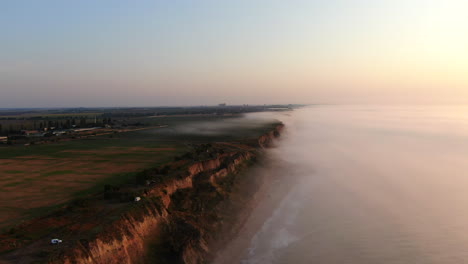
[{"x": 150, "y": 52}]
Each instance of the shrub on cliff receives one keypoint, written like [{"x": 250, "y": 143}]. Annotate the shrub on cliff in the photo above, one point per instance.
[{"x": 179, "y": 234}]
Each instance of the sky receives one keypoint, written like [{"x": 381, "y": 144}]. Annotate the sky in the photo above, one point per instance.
[{"x": 56, "y": 53}]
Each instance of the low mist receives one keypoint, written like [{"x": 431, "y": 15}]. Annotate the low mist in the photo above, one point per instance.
[
  {"x": 364, "y": 185},
  {"x": 224, "y": 126}
]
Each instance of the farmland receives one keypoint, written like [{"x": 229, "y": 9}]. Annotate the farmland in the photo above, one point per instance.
[{"x": 35, "y": 179}]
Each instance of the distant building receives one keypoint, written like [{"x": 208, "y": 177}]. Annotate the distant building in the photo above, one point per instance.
[
  {"x": 222, "y": 105},
  {"x": 29, "y": 132},
  {"x": 58, "y": 133},
  {"x": 85, "y": 129}
]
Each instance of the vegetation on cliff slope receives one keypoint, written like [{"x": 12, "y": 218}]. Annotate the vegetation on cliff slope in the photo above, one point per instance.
[{"x": 93, "y": 214}]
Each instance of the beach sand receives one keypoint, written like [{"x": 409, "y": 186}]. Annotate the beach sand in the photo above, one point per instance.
[{"x": 274, "y": 188}]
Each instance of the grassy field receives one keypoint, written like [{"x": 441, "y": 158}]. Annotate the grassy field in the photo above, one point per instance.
[{"x": 36, "y": 179}]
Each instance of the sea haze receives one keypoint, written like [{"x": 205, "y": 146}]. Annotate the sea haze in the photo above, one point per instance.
[{"x": 378, "y": 184}]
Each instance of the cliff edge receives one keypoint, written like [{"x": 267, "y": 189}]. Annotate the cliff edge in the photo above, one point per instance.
[{"x": 185, "y": 210}]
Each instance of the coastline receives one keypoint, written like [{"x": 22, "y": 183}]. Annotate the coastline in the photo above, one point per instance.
[
  {"x": 124, "y": 239},
  {"x": 272, "y": 192}
]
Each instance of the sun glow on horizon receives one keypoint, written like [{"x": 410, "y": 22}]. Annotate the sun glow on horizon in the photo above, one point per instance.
[{"x": 242, "y": 52}]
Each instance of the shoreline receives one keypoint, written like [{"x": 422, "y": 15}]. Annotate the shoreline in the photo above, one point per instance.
[
  {"x": 269, "y": 196},
  {"x": 165, "y": 205}
]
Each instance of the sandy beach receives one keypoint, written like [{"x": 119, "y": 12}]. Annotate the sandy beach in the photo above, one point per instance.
[{"x": 266, "y": 200}]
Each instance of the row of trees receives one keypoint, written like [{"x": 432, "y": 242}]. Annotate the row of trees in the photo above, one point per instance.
[{"x": 17, "y": 126}]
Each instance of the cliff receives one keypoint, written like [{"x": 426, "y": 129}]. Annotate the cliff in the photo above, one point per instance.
[{"x": 181, "y": 219}]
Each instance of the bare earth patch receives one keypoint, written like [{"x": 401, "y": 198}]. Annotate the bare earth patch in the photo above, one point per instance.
[{"x": 28, "y": 183}]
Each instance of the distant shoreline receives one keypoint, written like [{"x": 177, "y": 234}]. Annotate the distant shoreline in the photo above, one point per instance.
[{"x": 274, "y": 189}]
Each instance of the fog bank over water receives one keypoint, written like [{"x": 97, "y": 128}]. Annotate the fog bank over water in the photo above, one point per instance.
[{"x": 376, "y": 185}]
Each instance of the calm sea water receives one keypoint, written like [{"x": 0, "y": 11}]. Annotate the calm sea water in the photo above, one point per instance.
[{"x": 377, "y": 185}]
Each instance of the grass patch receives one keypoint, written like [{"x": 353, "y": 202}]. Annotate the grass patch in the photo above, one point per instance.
[
  {"x": 13, "y": 184},
  {"x": 58, "y": 172},
  {"x": 13, "y": 171}
]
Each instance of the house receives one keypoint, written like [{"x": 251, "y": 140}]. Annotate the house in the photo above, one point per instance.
[
  {"x": 59, "y": 133},
  {"x": 29, "y": 132}
]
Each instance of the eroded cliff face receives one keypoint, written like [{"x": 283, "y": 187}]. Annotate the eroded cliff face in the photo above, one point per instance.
[
  {"x": 124, "y": 243},
  {"x": 178, "y": 221}
]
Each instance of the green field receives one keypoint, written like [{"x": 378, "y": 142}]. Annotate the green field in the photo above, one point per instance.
[{"x": 35, "y": 179}]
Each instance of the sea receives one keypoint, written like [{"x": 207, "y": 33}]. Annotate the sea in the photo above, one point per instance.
[{"x": 368, "y": 185}]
